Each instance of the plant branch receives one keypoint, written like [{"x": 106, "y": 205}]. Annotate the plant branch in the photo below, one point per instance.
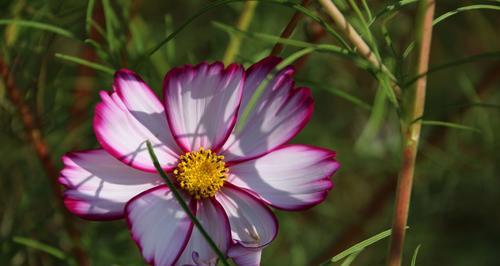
[
  {"x": 290, "y": 27},
  {"x": 353, "y": 36},
  {"x": 412, "y": 133},
  {"x": 243, "y": 23},
  {"x": 184, "y": 205},
  {"x": 42, "y": 151}
]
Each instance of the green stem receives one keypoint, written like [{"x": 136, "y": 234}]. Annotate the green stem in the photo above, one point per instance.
[
  {"x": 184, "y": 205},
  {"x": 411, "y": 132}
]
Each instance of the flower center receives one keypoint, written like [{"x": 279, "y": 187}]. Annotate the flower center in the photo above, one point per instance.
[{"x": 201, "y": 173}]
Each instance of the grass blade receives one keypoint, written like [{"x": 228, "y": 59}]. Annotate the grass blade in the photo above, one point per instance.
[
  {"x": 449, "y": 124},
  {"x": 39, "y": 26},
  {"x": 88, "y": 16},
  {"x": 296, "y": 43},
  {"x": 462, "y": 9},
  {"x": 84, "y": 62},
  {"x": 361, "y": 245},
  {"x": 40, "y": 246},
  {"x": 218, "y": 3},
  {"x": 350, "y": 259},
  {"x": 340, "y": 93},
  {"x": 414, "y": 257},
  {"x": 469, "y": 59}
]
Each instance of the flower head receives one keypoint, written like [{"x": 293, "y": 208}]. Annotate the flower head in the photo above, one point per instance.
[{"x": 228, "y": 177}]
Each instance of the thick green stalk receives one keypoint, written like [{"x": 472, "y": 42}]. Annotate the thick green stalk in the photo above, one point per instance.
[
  {"x": 411, "y": 132},
  {"x": 243, "y": 23},
  {"x": 184, "y": 205}
]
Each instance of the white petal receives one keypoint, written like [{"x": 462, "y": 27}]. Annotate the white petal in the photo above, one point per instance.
[
  {"x": 243, "y": 256},
  {"x": 159, "y": 226},
  {"x": 214, "y": 220},
  {"x": 99, "y": 186},
  {"x": 279, "y": 114},
  {"x": 292, "y": 177},
  {"x": 252, "y": 223},
  {"x": 202, "y": 103},
  {"x": 127, "y": 118}
]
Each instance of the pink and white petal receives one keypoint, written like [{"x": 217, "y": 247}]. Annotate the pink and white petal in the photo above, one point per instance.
[
  {"x": 255, "y": 75},
  {"x": 202, "y": 103},
  {"x": 279, "y": 114},
  {"x": 144, "y": 105},
  {"x": 214, "y": 220},
  {"x": 123, "y": 133},
  {"x": 98, "y": 185},
  {"x": 243, "y": 256},
  {"x": 292, "y": 177},
  {"x": 158, "y": 225},
  {"x": 252, "y": 223}
]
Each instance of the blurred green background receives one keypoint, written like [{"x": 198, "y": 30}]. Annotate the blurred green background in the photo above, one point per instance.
[{"x": 454, "y": 217}]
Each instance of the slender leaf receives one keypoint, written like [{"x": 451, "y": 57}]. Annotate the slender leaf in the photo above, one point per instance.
[
  {"x": 462, "y": 9},
  {"x": 217, "y": 3},
  {"x": 350, "y": 259},
  {"x": 340, "y": 93},
  {"x": 449, "y": 124},
  {"x": 362, "y": 245},
  {"x": 87, "y": 63},
  {"x": 88, "y": 16},
  {"x": 39, "y": 26},
  {"x": 40, "y": 246},
  {"x": 274, "y": 39},
  {"x": 414, "y": 257},
  {"x": 390, "y": 9},
  {"x": 469, "y": 59},
  {"x": 449, "y": 14}
]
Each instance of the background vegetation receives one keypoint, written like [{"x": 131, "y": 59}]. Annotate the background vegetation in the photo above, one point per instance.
[{"x": 49, "y": 89}]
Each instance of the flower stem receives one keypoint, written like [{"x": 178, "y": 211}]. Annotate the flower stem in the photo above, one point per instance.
[
  {"x": 243, "y": 23},
  {"x": 411, "y": 132},
  {"x": 184, "y": 205}
]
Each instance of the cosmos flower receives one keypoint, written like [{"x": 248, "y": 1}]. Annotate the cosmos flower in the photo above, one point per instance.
[{"x": 228, "y": 175}]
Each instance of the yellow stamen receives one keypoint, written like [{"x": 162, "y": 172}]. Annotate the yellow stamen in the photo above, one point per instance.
[{"x": 201, "y": 173}]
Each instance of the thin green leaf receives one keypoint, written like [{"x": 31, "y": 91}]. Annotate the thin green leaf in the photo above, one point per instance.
[
  {"x": 414, "y": 257},
  {"x": 39, "y": 26},
  {"x": 184, "y": 205},
  {"x": 88, "y": 16},
  {"x": 362, "y": 245},
  {"x": 293, "y": 57},
  {"x": 40, "y": 246},
  {"x": 462, "y": 9},
  {"x": 390, "y": 9},
  {"x": 469, "y": 59},
  {"x": 340, "y": 93},
  {"x": 218, "y": 3},
  {"x": 110, "y": 21},
  {"x": 274, "y": 39},
  {"x": 449, "y": 14},
  {"x": 84, "y": 62},
  {"x": 350, "y": 259},
  {"x": 449, "y": 124},
  {"x": 372, "y": 128},
  {"x": 367, "y": 10}
]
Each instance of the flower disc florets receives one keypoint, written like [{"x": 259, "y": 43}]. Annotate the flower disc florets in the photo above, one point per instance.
[{"x": 201, "y": 173}]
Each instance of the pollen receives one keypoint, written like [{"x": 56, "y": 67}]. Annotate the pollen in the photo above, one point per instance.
[{"x": 201, "y": 173}]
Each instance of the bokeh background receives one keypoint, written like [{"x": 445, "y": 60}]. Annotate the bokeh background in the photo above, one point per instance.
[{"x": 454, "y": 215}]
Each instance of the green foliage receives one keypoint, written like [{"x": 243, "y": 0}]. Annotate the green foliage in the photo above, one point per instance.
[{"x": 62, "y": 53}]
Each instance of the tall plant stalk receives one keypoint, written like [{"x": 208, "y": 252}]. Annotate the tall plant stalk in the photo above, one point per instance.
[
  {"x": 243, "y": 23},
  {"x": 411, "y": 132}
]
